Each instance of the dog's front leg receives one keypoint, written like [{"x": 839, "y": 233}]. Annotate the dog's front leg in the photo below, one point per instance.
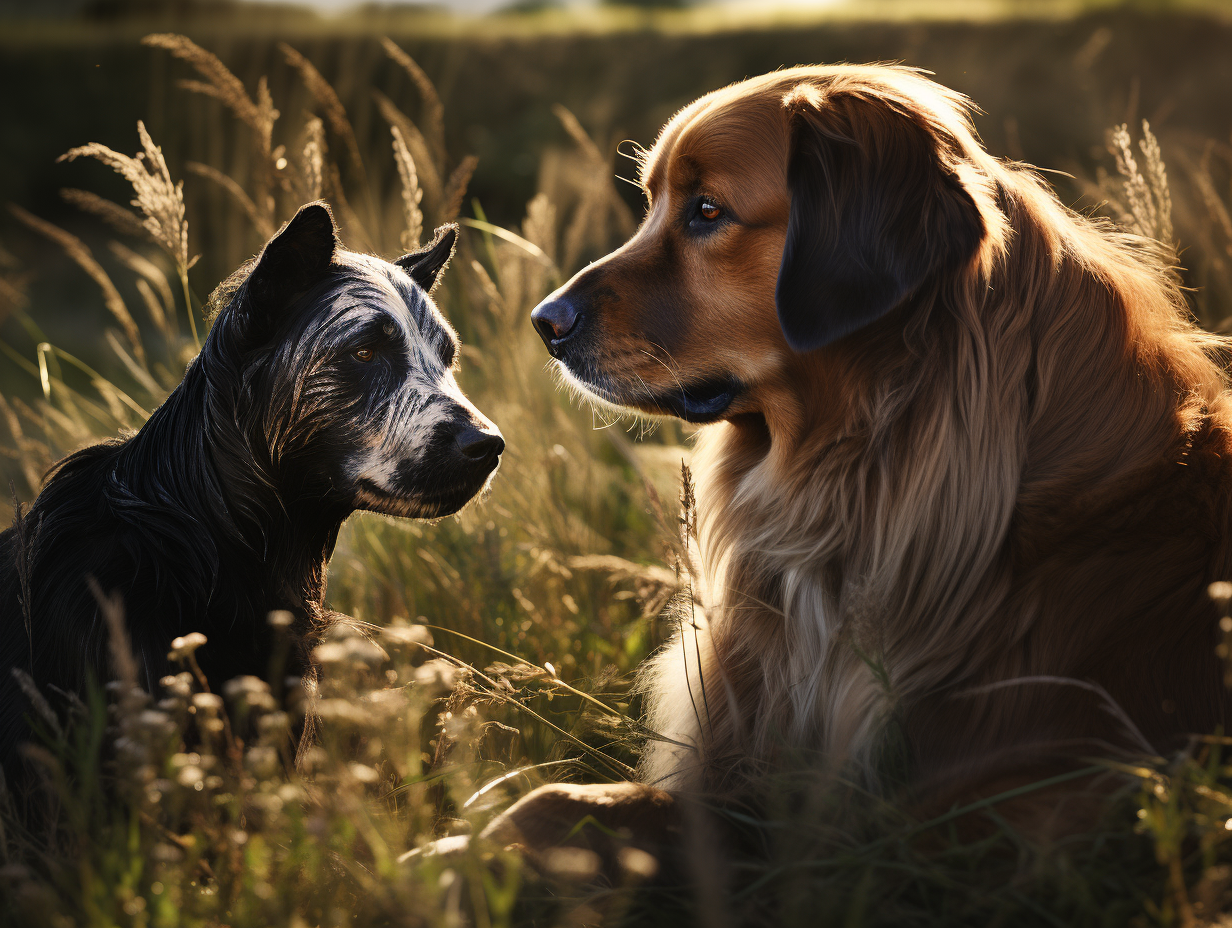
[{"x": 619, "y": 823}]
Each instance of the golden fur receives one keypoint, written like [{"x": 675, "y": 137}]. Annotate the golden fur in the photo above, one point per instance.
[{"x": 981, "y": 521}]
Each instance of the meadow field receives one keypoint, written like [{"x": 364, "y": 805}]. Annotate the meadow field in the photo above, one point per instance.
[{"x": 509, "y": 635}]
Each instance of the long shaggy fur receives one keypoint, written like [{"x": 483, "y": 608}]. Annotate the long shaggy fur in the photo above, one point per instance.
[{"x": 974, "y": 479}]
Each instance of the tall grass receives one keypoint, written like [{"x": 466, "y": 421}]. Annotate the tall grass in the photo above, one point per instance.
[
  {"x": 488, "y": 652},
  {"x": 508, "y": 633}
]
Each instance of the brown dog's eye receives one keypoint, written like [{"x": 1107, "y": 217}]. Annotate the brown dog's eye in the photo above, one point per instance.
[
  {"x": 364, "y": 354},
  {"x": 710, "y": 210}
]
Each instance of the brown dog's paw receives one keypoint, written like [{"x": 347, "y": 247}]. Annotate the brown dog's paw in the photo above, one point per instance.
[
  {"x": 452, "y": 846},
  {"x": 615, "y": 833}
]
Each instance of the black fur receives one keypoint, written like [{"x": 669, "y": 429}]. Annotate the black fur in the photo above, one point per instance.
[
  {"x": 324, "y": 386},
  {"x": 856, "y": 251},
  {"x": 426, "y": 264}
]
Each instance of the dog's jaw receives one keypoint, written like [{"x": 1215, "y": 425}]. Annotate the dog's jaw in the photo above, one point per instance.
[
  {"x": 371, "y": 498},
  {"x": 702, "y": 403}
]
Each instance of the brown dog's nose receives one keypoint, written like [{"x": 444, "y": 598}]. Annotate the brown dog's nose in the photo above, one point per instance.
[{"x": 553, "y": 320}]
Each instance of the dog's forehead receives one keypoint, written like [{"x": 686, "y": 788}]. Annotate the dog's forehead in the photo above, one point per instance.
[
  {"x": 719, "y": 142},
  {"x": 729, "y": 145},
  {"x": 758, "y": 99},
  {"x": 381, "y": 286}
]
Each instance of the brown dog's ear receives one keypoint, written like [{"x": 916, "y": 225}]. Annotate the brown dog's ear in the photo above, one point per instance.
[
  {"x": 873, "y": 214},
  {"x": 425, "y": 265}
]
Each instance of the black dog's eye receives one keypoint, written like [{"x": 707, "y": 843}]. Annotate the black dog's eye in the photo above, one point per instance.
[{"x": 363, "y": 354}]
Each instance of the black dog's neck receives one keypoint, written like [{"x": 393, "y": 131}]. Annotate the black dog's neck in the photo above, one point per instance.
[{"x": 222, "y": 487}]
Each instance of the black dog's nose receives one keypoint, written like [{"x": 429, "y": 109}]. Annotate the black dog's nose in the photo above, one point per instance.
[
  {"x": 478, "y": 445},
  {"x": 553, "y": 320}
]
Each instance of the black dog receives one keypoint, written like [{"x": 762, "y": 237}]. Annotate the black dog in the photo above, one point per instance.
[{"x": 325, "y": 386}]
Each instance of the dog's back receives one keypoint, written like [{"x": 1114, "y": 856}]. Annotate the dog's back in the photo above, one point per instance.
[
  {"x": 145, "y": 518},
  {"x": 59, "y": 648}
]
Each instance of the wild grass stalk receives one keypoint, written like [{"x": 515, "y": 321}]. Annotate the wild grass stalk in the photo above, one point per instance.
[{"x": 161, "y": 202}]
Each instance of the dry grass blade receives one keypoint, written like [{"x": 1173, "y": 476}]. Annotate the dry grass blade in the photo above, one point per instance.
[
  {"x": 266, "y": 115},
  {"x": 487, "y": 285},
  {"x": 1105, "y": 191},
  {"x": 522, "y": 244},
  {"x": 579, "y": 135},
  {"x": 354, "y": 228},
  {"x": 327, "y": 99},
  {"x": 220, "y": 84},
  {"x": 153, "y": 307},
  {"x": 411, "y": 193},
  {"x": 150, "y": 275},
  {"x": 587, "y": 225},
  {"x": 618, "y": 568},
  {"x": 429, "y": 177},
  {"x": 1215, "y": 206},
  {"x": 539, "y": 226},
  {"x": 34, "y": 455},
  {"x": 600, "y": 198},
  {"x": 259, "y": 115},
  {"x": 11, "y": 297},
  {"x": 139, "y": 373},
  {"x": 1146, "y": 192},
  {"x": 434, "y": 110},
  {"x": 111, "y": 213},
  {"x": 312, "y": 161},
  {"x": 42, "y": 708},
  {"x": 1157, "y": 178},
  {"x": 76, "y": 249},
  {"x": 159, "y": 198},
  {"x": 455, "y": 189},
  {"x": 259, "y": 221}
]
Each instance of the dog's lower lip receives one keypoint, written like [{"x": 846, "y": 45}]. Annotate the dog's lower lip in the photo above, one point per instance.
[
  {"x": 702, "y": 402},
  {"x": 452, "y": 500}
]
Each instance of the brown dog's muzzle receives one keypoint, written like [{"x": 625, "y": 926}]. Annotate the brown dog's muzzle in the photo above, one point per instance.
[
  {"x": 614, "y": 329},
  {"x": 576, "y": 340}
]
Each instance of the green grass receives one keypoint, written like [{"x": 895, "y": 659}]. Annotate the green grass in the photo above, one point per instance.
[{"x": 508, "y": 638}]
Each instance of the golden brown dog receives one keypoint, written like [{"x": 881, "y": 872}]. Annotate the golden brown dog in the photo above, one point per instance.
[{"x": 967, "y": 460}]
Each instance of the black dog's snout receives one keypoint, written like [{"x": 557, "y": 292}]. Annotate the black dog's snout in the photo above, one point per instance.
[
  {"x": 477, "y": 445},
  {"x": 553, "y": 320}
]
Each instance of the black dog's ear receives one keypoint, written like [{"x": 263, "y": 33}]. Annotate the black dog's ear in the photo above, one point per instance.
[
  {"x": 292, "y": 261},
  {"x": 874, "y": 212},
  {"x": 425, "y": 265}
]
